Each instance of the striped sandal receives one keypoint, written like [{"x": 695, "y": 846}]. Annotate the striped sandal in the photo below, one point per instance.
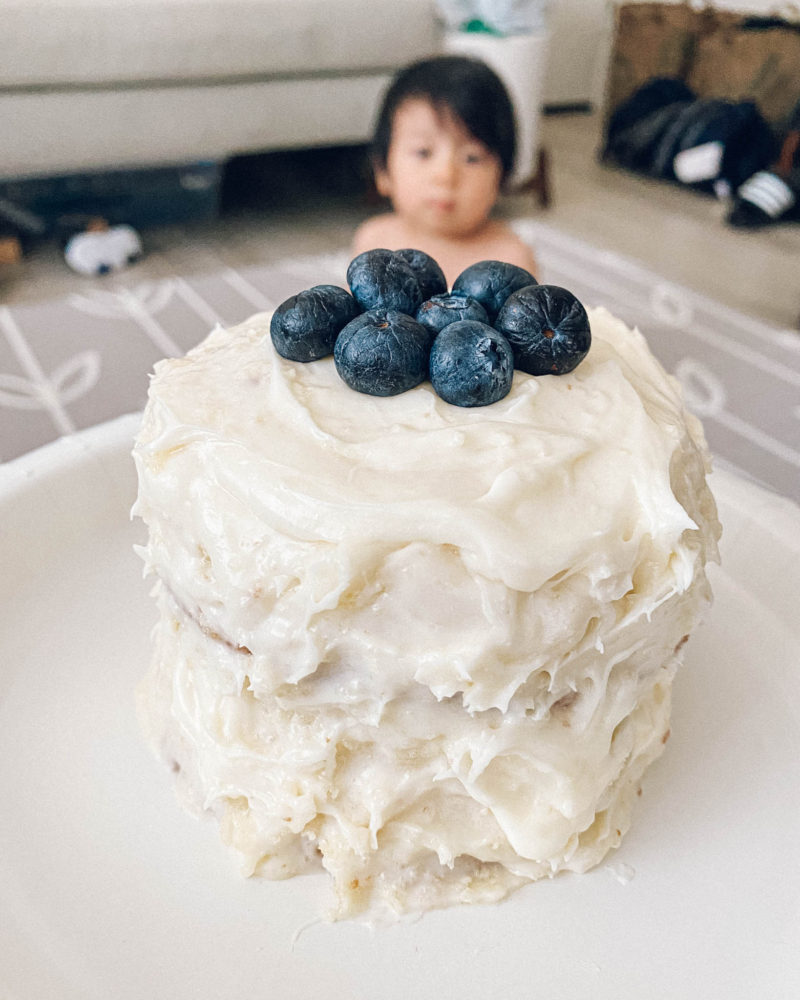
[{"x": 770, "y": 196}]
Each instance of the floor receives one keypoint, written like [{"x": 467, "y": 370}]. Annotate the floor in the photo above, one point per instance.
[{"x": 289, "y": 204}]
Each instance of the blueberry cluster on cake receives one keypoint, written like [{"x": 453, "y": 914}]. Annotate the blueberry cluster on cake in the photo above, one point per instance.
[{"x": 427, "y": 646}]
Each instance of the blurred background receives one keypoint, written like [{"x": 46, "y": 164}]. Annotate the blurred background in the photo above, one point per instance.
[
  {"x": 226, "y": 139},
  {"x": 236, "y": 129}
]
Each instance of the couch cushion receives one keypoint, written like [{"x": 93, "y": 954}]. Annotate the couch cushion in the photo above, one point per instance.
[{"x": 52, "y": 43}]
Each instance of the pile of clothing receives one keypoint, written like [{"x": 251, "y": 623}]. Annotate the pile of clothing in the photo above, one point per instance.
[{"x": 725, "y": 147}]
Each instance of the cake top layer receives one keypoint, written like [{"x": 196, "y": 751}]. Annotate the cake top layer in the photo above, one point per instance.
[{"x": 565, "y": 472}]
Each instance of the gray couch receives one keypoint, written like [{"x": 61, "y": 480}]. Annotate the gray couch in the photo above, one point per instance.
[{"x": 93, "y": 84}]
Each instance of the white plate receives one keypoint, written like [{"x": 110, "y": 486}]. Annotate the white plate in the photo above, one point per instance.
[{"x": 108, "y": 890}]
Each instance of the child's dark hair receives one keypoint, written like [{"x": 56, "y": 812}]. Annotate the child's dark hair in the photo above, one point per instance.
[{"x": 468, "y": 89}]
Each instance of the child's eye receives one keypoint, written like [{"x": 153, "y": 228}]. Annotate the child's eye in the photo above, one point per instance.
[
  {"x": 474, "y": 156},
  {"x": 422, "y": 152}
]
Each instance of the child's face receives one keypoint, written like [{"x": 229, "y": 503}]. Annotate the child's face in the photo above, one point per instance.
[{"x": 440, "y": 179}]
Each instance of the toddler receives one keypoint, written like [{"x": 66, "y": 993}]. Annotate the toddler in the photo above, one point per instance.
[{"x": 444, "y": 144}]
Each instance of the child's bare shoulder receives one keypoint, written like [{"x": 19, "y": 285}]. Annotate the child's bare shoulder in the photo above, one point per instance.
[
  {"x": 378, "y": 231},
  {"x": 506, "y": 245}
]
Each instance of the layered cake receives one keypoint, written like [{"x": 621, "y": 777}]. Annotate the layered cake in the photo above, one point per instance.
[{"x": 426, "y": 647}]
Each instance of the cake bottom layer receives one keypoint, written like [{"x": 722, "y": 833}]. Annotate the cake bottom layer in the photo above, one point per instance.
[{"x": 409, "y": 804}]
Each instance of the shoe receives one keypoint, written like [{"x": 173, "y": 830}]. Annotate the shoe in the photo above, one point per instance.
[
  {"x": 771, "y": 196},
  {"x": 763, "y": 199}
]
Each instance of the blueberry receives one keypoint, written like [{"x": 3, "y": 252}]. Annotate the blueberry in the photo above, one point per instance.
[
  {"x": 471, "y": 364},
  {"x": 491, "y": 282},
  {"x": 305, "y": 326},
  {"x": 429, "y": 275},
  {"x": 383, "y": 352},
  {"x": 548, "y": 329},
  {"x": 382, "y": 279},
  {"x": 442, "y": 310}
]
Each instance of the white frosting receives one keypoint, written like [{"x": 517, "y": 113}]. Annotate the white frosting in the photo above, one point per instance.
[{"x": 432, "y": 644}]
